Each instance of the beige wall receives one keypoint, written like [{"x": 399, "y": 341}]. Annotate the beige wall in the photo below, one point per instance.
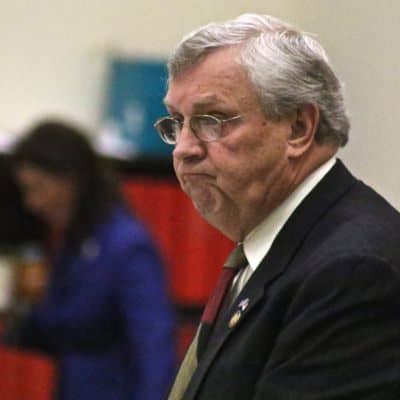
[
  {"x": 362, "y": 38},
  {"x": 54, "y": 53}
]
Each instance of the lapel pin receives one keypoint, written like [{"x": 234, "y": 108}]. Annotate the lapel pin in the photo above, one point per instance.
[
  {"x": 235, "y": 318},
  {"x": 244, "y": 304}
]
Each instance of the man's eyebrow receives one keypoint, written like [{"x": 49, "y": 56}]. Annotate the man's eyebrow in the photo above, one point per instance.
[{"x": 206, "y": 101}]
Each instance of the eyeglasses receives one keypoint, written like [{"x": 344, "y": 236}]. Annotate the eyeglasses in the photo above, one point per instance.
[{"x": 206, "y": 128}]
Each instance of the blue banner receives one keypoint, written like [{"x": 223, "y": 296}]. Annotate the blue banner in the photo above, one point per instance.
[{"x": 135, "y": 92}]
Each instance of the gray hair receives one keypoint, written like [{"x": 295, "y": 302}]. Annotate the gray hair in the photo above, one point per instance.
[{"x": 288, "y": 68}]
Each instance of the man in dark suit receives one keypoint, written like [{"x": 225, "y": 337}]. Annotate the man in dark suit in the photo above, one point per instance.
[{"x": 257, "y": 117}]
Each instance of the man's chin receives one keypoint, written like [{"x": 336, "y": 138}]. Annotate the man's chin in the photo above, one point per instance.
[
  {"x": 207, "y": 199},
  {"x": 208, "y": 207}
]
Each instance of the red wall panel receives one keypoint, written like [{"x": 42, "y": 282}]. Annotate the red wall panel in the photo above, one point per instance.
[
  {"x": 25, "y": 376},
  {"x": 194, "y": 251}
]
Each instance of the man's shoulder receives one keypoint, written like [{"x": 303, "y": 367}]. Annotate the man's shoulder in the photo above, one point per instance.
[{"x": 359, "y": 226}]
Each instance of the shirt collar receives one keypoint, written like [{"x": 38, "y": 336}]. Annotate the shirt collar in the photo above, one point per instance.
[{"x": 258, "y": 242}]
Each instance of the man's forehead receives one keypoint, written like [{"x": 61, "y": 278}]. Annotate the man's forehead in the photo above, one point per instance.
[{"x": 201, "y": 95}]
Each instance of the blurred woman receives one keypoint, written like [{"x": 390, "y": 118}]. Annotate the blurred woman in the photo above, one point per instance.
[{"x": 104, "y": 316}]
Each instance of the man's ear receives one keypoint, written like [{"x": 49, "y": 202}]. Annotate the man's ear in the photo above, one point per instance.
[{"x": 304, "y": 124}]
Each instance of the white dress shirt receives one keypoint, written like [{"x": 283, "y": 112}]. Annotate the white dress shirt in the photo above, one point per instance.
[{"x": 258, "y": 242}]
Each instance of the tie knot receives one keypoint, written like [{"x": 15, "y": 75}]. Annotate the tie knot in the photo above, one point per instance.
[{"x": 236, "y": 259}]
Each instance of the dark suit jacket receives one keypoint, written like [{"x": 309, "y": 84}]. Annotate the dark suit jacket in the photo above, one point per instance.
[{"x": 323, "y": 314}]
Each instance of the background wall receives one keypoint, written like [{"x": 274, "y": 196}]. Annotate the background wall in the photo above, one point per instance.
[
  {"x": 54, "y": 60},
  {"x": 361, "y": 37}
]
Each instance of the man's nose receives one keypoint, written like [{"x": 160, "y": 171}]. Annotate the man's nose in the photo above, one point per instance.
[{"x": 188, "y": 146}]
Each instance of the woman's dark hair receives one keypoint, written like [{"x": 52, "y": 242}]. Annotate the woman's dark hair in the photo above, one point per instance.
[
  {"x": 62, "y": 149},
  {"x": 18, "y": 225}
]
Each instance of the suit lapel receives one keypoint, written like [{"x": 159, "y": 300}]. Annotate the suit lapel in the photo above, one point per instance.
[{"x": 331, "y": 188}]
